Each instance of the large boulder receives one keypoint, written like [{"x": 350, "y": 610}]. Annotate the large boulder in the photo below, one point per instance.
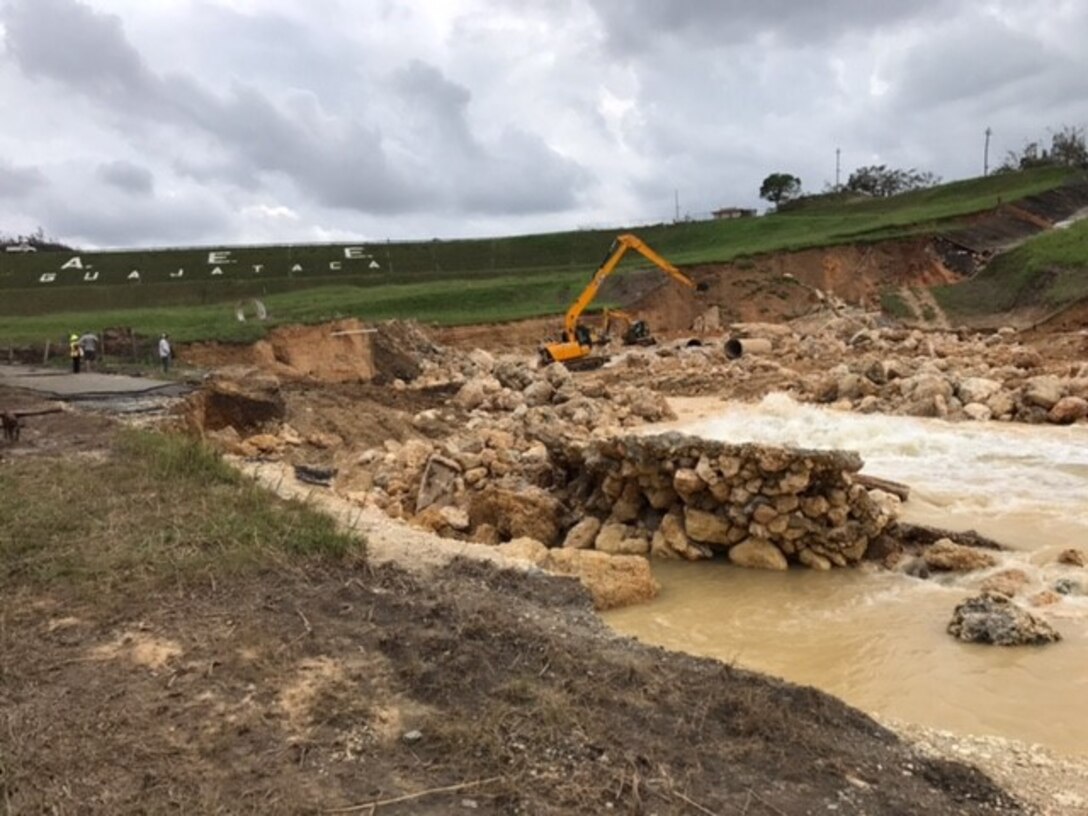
[
  {"x": 976, "y": 389},
  {"x": 1068, "y": 410},
  {"x": 994, "y": 619},
  {"x": 1043, "y": 391},
  {"x": 612, "y": 580},
  {"x": 528, "y": 512},
  {"x": 756, "y": 553},
  {"x": 239, "y": 398}
]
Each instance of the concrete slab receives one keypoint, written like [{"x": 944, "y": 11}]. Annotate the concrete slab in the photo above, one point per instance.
[{"x": 65, "y": 385}]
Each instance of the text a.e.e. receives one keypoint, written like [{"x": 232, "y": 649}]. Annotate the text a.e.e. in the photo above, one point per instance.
[{"x": 221, "y": 262}]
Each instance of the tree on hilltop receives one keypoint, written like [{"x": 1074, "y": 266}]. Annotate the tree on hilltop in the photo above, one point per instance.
[
  {"x": 1067, "y": 149},
  {"x": 779, "y": 187},
  {"x": 881, "y": 181}
]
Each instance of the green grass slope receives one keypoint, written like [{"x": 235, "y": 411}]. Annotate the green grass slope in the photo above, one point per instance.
[
  {"x": 189, "y": 291},
  {"x": 1045, "y": 273}
]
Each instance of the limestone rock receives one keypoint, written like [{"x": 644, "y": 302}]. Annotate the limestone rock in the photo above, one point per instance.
[
  {"x": 1044, "y": 391},
  {"x": 438, "y": 482},
  {"x": 525, "y": 549},
  {"x": 515, "y": 513},
  {"x": 539, "y": 393},
  {"x": 705, "y": 527},
  {"x": 1007, "y": 582},
  {"x": 758, "y": 554},
  {"x": 612, "y": 580},
  {"x": 617, "y": 539},
  {"x": 670, "y": 541},
  {"x": 687, "y": 483},
  {"x": 1073, "y": 557},
  {"x": 978, "y": 412},
  {"x": 582, "y": 535},
  {"x": 994, "y": 619},
  {"x": 1068, "y": 410},
  {"x": 241, "y": 398},
  {"x": 976, "y": 389},
  {"x": 948, "y": 556}
]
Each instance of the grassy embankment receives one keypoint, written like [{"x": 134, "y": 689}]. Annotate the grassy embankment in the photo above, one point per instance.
[
  {"x": 158, "y": 509},
  {"x": 446, "y": 282},
  {"x": 1048, "y": 272}
]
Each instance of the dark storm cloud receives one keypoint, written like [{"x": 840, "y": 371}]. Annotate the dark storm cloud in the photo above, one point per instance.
[
  {"x": 73, "y": 44},
  {"x": 17, "y": 182},
  {"x": 339, "y": 161},
  {"x": 128, "y": 177},
  {"x": 634, "y": 25}
]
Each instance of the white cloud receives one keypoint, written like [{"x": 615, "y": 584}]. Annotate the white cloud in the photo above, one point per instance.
[{"x": 211, "y": 120}]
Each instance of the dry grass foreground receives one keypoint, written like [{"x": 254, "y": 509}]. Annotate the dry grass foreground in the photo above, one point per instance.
[{"x": 174, "y": 640}]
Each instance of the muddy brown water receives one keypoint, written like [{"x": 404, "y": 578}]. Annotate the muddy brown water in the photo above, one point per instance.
[{"x": 877, "y": 639}]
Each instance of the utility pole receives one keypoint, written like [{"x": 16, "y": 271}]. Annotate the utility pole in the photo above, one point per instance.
[
  {"x": 986, "y": 153},
  {"x": 838, "y": 164},
  {"x": 676, "y": 218}
]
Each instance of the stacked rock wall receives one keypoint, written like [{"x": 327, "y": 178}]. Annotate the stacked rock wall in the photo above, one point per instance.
[{"x": 678, "y": 496}]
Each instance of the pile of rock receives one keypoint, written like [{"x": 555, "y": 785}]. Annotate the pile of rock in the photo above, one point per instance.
[
  {"x": 952, "y": 375},
  {"x": 681, "y": 497}
]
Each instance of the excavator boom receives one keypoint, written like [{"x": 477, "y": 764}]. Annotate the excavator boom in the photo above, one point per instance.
[{"x": 576, "y": 339}]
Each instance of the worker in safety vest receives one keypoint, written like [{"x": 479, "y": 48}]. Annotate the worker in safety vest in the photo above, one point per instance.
[{"x": 75, "y": 351}]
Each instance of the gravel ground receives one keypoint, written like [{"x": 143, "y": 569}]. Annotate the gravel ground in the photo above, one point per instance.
[{"x": 1054, "y": 784}]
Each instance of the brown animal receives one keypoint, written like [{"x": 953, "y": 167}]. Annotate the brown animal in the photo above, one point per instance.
[{"x": 12, "y": 426}]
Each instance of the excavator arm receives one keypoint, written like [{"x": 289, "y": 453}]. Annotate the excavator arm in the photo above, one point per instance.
[
  {"x": 619, "y": 248},
  {"x": 576, "y": 340}
]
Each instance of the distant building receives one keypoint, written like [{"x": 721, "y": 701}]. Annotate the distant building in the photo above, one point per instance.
[{"x": 733, "y": 212}]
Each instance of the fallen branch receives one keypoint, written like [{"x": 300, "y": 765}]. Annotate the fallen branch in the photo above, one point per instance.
[
  {"x": 377, "y": 803},
  {"x": 887, "y": 485}
]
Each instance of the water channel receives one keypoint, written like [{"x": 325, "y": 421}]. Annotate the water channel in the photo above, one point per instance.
[{"x": 877, "y": 639}]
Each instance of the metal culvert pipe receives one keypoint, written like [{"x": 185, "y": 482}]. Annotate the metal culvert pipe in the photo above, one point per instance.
[{"x": 736, "y": 347}]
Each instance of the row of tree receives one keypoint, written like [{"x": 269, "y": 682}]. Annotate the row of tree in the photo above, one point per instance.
[
  {"x": 1067, "y": 149},
  {"x": 37, "y": 239},
  {"x": 877, "y": 180}
]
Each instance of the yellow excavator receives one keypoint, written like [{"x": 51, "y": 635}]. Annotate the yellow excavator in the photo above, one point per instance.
[{"x": 576, "y": 346}]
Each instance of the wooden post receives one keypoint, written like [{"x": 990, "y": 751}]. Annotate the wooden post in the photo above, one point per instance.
[{"x": 45, "y": 356}]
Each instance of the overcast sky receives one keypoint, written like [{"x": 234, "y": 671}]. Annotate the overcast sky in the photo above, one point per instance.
[{"x": 166, "y": 122}]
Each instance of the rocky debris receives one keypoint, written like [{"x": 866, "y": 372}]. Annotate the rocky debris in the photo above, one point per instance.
[
  {"x": 956, "y": 375},
  {"x": 1073, "y": 557},
  {"x": 528, "y": 512},
  {"x": 766, "y": 506},
  {"x": 1007, "y": 582},
  {"x": 612, "y": 580},
  {"x": 947, "y": 556},
  {"x": 994, "y": 619},
  {"x": 240, "y": 398}
]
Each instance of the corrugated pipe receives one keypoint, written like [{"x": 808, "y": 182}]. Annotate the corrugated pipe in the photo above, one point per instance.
[{"x": 739, "y": 346}]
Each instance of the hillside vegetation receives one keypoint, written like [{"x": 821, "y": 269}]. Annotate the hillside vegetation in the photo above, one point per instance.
[
  {"x": 1046, "y": 272},
  {"x": 448, "y": 282}
]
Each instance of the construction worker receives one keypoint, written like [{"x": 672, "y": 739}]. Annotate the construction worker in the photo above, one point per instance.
[{"x": 75, "y": 351}]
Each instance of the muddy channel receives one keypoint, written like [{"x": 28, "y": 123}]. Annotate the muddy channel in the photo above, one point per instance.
[{"x": 877, "y": 639}]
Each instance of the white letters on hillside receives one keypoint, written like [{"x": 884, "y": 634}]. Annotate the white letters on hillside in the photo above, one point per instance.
[{"x": 217, "y": 259}]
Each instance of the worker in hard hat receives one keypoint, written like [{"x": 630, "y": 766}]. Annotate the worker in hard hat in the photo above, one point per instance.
[{"x": 75, "y": 351}]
